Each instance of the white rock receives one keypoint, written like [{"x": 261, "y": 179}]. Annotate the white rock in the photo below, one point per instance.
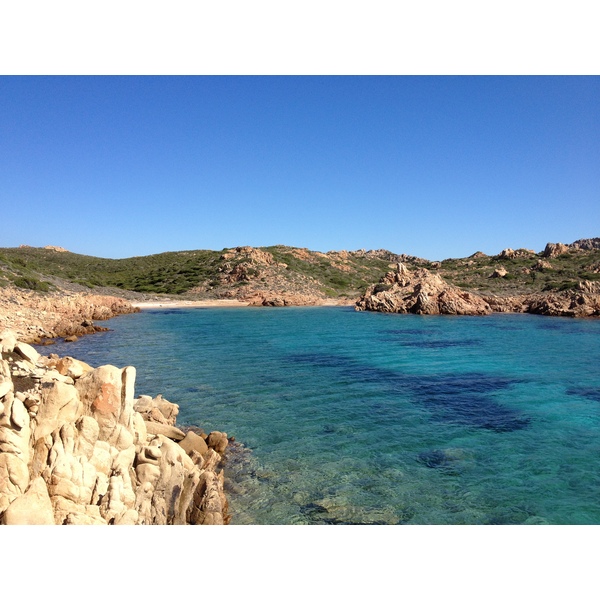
[
  {"x": 8, "y": 339},
  {"x": 32, "y": 508},
  {"x": 27, "y": 352}
]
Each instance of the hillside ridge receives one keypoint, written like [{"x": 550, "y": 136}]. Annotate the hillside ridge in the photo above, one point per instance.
[{"x": 284, "y": 275}]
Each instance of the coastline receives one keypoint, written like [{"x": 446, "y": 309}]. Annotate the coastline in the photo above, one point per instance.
[
  {"x": 79, "y": 448},
  {"x": 221, "y": 303},
  {"x": 190, "y": 304}
]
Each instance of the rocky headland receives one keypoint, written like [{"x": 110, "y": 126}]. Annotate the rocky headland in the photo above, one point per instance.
[
  {"x": 36, "y": 316},
  {"x": 77, "y": 447},
  {"x": 422, "y": 292}
]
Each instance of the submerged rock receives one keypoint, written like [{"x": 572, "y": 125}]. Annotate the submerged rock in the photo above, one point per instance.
[{"x": 448, "y": 459}]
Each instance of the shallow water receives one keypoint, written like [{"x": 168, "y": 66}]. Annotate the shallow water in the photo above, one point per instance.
[{"x": 353, "y": 417}]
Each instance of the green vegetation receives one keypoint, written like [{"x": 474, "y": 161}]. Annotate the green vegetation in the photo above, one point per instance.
[
  {"x": 204, "y": 273},
  {"x": 170, "y": 272},
  {"x": 525, "y": 273},
  {"x": 31, "y": 283},
  {"x": 352, "y": 279}
]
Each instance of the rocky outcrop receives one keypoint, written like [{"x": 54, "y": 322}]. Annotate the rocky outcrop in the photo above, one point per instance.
[
  {"x": 553, "y": 250},
  {"x": 34, "y": 316},
  {"x": 282, "y": 299},
  {"x": 420, "y": 292},
  {"x": 586, "y": 244},
  {"x": 506, "y": 304},
  {"x": 584, "y": 301},
  {"x": 76, "y": 447},
  {"x": 499, "y": 272},
  {"x": 509, "y": 253},
  {"x": 541, "y": 266}
]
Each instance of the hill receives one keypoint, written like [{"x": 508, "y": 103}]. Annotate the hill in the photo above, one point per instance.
[
  {"x": 558, "y": 267},
  {"x": 242, "y": 272},
  {"x": 278, "y": 275}
]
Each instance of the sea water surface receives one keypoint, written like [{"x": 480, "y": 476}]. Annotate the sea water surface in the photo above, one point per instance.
[{"x": 344, "y": 417}]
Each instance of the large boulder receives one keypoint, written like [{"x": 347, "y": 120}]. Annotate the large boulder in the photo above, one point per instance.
[
  {"x": 157, "y": 409},
  {"x": 552, "y": 250},
  {"x": 28, "y": 352},
  {"x": 107, "y": 395},
  {"x": 34, "y": 507},
  {"x": 71, "y": 367},
  {"x": 169, "y": 431},
  {"x": 499, "y": 272},
  {"x": 8, "y": 340},
  {"x": 194, "y": 443}
]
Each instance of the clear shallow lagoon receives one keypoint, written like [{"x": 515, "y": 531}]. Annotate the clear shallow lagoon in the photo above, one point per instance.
[{"x": 348, "y": 417}]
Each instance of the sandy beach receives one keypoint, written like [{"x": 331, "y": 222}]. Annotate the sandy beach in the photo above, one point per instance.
[
  {"x": 190, "y": 304},
  {"x": 233, "y": 303}
]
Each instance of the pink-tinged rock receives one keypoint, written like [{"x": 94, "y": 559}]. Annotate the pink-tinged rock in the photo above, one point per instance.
[
  {"x": 193, "y": 441},
  {"x": 217, "y": 441},
  {"x": 420, "y": 292},
  {"x": 72, "y": 367},
  {"x": 100, "y": 392},
  {"x": 168, "y": 431}
]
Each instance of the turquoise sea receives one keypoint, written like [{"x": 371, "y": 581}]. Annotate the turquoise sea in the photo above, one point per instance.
[{"x": 344, "y": 417}]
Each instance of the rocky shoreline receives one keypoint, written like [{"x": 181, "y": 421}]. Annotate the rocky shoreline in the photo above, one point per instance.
[
  {"x": 425, "y": 293},
  {"x": 36, "y": 318},
  {"x": 76, "y": 447}
]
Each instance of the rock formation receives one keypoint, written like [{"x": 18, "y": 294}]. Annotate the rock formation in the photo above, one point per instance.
[
  {"x": 586, "y": 244},
  {"x": 34, "y": 316},
  {"x": 282, "y": 299},
  {"x": 542, "y": 265},
  {"x": 584, "y": 301},
  {"x": 509, "y": 253},
  {"x": 420, "y": 292},
  {"x": 499, "y": 272},
  {"x": 552, "y": 250},
  {"x": 76, "y": 447}
]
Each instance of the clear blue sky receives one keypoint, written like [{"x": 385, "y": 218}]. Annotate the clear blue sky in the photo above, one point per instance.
[{"x": 436, "y": 167}]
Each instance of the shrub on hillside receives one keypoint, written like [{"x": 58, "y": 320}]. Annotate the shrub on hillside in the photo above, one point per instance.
[{"x": 31, "y": 283}]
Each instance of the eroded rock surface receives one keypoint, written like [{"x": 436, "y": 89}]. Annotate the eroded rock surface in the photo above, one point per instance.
[
  {"x": 33, "y": 316},
  {"x": 76, "y": 447},
  {"x": 420, "y": 292}
]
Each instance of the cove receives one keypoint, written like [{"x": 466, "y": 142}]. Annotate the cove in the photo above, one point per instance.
[{"x": 344, "y": 417}]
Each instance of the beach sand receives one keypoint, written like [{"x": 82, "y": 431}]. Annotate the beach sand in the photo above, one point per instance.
[
  {"x": 221, "y": 303},
  {"x": 189, "y": 304}
]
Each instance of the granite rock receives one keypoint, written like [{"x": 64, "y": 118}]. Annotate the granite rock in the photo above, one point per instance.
[{"x": 75, "y": 450}]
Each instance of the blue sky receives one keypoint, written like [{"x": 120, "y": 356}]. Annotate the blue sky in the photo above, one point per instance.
[{"x": 434, "y": 166}]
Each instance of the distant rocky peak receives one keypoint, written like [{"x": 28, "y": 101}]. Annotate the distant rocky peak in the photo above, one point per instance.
[{"x": 587, "y": 244}]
